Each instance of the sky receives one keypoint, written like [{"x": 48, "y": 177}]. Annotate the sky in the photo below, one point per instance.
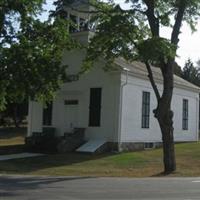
[{"x": 189, "y": 45}]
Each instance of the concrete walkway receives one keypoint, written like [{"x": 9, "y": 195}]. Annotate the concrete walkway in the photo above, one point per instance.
[{"x": 19, "y": 155}]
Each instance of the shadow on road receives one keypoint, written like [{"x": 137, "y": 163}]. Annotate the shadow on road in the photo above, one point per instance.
[{"x": 13, "y": 185}]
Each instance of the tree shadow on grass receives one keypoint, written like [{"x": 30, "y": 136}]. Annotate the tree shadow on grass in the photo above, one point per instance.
[
  {"x": 11, "y": 132},
  {"x": 30, "y": 165},
  {"x": 15, "y": 186}
]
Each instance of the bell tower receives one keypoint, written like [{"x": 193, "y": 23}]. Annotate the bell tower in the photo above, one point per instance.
[{"x": 79, "y": 13}]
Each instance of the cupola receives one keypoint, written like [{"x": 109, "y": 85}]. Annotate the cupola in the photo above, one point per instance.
[{"x": 79, "y": 13}]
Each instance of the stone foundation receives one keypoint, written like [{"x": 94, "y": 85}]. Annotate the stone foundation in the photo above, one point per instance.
[{"x": 131, "y": 146}]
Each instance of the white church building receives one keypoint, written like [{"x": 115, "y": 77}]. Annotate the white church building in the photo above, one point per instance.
[{"x": 114, "y": 107}]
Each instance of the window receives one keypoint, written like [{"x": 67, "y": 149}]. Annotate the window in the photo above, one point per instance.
[
  {"x": 145, "y": 109},
  {"x": 71, "y": 102},
  {"x": 95, "y": 107},
  {"x": 185, "y": 114},
  {"x": 47, "y": 115}
]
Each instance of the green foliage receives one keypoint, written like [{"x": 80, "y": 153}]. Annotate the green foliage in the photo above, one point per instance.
[
  {"x": 155, "y": 48},
  {"x": 117, "y": 35},
  {"x": 13, "y": 12},
  {"x": 31, "y": 53},
  {"x": 34, "y": 63},
  {"x": 166, "y": 10},
  {"x": 127, "y": 33}
]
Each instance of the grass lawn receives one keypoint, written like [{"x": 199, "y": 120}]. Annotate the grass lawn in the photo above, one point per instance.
[{"x": 135, "y": 164}]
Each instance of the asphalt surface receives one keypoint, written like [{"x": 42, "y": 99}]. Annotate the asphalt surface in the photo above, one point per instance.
[{"x": 76, "y": 188}]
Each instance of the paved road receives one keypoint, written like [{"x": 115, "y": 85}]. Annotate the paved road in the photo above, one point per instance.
[{"x": 76, "y": 188}]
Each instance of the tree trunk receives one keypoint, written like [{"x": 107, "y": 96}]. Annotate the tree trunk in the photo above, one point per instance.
[
  {"x": 166, "y": 125},
  {"x": 164, "y": 115},
  {"x": 168, "y": 151}
]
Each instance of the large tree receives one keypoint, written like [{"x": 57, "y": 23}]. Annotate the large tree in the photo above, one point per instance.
[
  {"x": 135, "y": 35},
  {"x": 30, "y": 52}
]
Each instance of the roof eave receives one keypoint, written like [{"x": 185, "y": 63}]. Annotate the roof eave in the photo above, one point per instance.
[{"x": 160, "y": 81}]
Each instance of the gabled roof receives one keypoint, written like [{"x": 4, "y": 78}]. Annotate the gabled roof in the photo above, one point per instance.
[{"x": 138, "y": 69}]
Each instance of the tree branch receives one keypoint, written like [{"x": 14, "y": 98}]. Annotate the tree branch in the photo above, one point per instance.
[
  {"x": 150, "y": 75},
  {"x": 153, "y": 21},
  {"x": 178, "y": 23}
]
